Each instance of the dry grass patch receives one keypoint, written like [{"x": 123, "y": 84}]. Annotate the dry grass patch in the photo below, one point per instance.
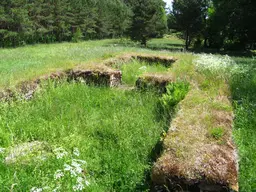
[{"x": 157, "y": 81}]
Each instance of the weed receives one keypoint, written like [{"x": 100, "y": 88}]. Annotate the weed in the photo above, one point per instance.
[
  {"x": 217, "y": 132},
  {"x": 175, "y": 92}
]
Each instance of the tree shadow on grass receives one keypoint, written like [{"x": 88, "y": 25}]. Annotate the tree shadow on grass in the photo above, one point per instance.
[
  {"x": 165, "y": 48},
  {"x": 241, "y": 53},
  {"x": 172, "y": 47}
]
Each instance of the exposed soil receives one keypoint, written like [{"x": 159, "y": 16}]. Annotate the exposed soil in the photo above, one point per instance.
[{"x": 190, "y": 157}]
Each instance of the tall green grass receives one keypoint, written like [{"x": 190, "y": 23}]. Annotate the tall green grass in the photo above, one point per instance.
[
  {"x": 243, "y": 87},
  {"x": 115, "y": 131},
  {"x": 28, "y": 62},
  {"x": 133, "y": 70}
]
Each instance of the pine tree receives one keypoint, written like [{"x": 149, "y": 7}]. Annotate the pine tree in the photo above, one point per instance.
[
  {"x": 189, "y": 17},
  {"x": 148, "y": 21}
]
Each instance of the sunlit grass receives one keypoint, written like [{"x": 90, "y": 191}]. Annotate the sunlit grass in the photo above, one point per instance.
[
  {"x": 243, "y": 88},
  {"x": 25, "y": 63},
  {"x": 115, "y": 131},
  {"x": 70, "y": 115},
  {"x": 133, "y": 70}
]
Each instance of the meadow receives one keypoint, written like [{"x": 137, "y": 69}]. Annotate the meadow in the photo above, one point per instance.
[
  {"x": 243, "y": 88},
  {"x": 116, "y": 131}
]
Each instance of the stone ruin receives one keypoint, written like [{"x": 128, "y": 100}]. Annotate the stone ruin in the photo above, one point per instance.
[{"x": 155, "y": 81}]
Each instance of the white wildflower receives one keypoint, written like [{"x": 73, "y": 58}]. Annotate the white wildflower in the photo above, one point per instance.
[
  {"x": 70, "y": 169},
  {"x": 67, "y": 167},
  {"x": 58, "y": 174},
  {"x": 35, "y": 189},
  {"x": 79, "y": 179},
  {"x": 214, "y": 63},
  {"x": 60, "y": 152},
  {"x": 78, "y": 187},
  {"x": 2, "y": 150},
  {"x": 76, "y": 152},
  {"x": 77, "y": 166}
]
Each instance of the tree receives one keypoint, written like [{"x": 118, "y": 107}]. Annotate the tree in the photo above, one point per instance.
[
  {"x": 15, "y": 25},
  {"x": 148, "y": 21},
  {"x": 231, "y": 25},
  {"x": 189, "y": 18}
]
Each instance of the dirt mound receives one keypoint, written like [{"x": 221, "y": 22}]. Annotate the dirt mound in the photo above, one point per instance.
[
  {"x": 164, "y": 60},
  {"x": 97, "y": 76},
  {"x": 192, "y": 157},
  {"x": 157, "y": 81}
]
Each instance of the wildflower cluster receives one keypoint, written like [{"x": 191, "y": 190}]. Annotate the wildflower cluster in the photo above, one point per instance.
[
  {"x": 71, "y": 176},
  {"x": 2, "y": 150},
  {"x": 60, "y": 152},
  {"x": 216, "y": 65}
]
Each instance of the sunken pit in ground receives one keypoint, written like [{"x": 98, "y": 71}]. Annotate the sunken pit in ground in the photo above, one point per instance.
[{"x": 189, "y": 161}]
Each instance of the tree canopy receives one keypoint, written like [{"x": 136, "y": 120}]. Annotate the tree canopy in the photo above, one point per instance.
[
  {"x": 149, "y": 20},
  {"x": 44, "y": 21},
  {"x": 220, "y": 23}
]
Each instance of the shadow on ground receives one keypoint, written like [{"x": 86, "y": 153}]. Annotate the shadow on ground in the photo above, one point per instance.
[
  {"x": 163, "y": 46},
  {"x": 243, "y": 53}
]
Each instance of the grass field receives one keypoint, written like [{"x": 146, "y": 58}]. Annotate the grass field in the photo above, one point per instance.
[
  {"x": 243, "y": 88},
  {"x": 27, "y": 62},
  {"x": 106, "y": 125},
  {"x": 114, "y": 131}
]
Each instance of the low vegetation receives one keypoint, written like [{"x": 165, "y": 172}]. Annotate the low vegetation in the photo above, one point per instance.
[
  {"x": 105, "y": 125},
  {"x": 133, "y": 70},
  {"x": 243, "y": 86},
  {"x": 109, "y": 132}
]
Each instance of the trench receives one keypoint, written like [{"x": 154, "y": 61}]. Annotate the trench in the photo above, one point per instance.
[{"x": 96, "y": 80}]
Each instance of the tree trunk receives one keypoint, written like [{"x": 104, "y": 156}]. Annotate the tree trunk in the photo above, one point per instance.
[
  {"x": 144, "y": 42},
  {"x": 187, "y": 39},
  {"x": 205, "y": 42}
]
